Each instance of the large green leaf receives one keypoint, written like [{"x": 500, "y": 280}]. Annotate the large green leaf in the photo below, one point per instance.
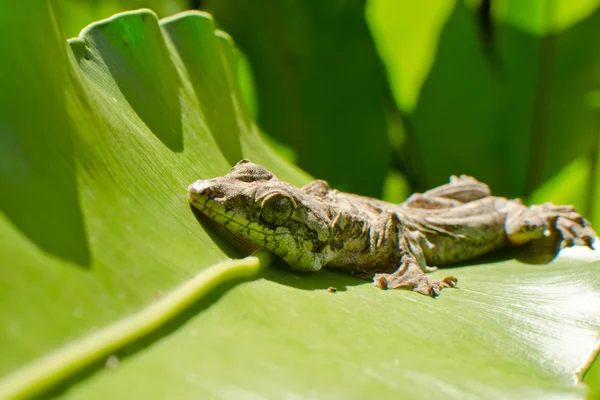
[{"x": 100, "y": 139}]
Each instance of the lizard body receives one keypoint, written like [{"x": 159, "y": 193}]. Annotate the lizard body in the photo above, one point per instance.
[{"x": 315, "y": 226}]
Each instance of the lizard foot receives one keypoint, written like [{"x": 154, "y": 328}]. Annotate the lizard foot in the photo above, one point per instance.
[
  {"x": 562, "y": 225},
  {"x": 411, "y": 276},
  {"x": 569, "y": 226}
]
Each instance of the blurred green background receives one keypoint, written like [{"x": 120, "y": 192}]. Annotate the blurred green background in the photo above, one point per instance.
[{"x": 387, "y": 97}]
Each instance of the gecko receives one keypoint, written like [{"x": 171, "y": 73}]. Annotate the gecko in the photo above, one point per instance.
[{"x": 395, "y": 245}]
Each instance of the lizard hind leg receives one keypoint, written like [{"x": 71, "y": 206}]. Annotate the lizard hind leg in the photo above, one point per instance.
[
  {"x": 549, "y": 220},
  {"x": 458, "y": 191}
]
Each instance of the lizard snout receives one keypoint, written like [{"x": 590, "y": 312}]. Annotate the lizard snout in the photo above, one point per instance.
[
  {"x": 199, "y": 187},
  {"x": 199, "y": 190}
]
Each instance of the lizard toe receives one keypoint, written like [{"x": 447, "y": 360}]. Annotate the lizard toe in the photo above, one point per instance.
[
  {"x": 427, "y": 290},
  {"x": 380, "y": 280},
  {"x": 449, "y": 281},
  {"x": 435, "y": 288}
]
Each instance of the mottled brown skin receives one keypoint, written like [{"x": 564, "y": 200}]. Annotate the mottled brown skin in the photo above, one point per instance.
[{"x": 395, "y": 244}]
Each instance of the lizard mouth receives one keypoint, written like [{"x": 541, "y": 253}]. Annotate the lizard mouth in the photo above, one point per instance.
[{"x": 234, "y": 227}]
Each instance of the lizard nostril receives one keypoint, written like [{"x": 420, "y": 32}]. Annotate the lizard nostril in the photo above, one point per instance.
[{"x": 199, "y": 187}]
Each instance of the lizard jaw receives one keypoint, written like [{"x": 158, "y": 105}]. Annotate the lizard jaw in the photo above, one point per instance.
[
  {"x": 233, "y": 226},
  {"x": 207, "y": 198}
]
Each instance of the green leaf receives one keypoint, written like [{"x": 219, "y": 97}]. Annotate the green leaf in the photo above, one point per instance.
[
  {"x": 74, "y": 14},
  {"x": 406, "y": 34},
  {"x": 542, "y": 16},
  {"x": 99, "y": 140}
]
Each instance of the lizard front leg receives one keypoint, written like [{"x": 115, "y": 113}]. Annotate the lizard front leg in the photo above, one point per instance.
[
  {"x": 524, "y": 224},
  {"x": 410, "y": 274}
]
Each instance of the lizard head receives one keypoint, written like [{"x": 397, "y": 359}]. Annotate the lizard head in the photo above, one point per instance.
[{"x": 250, "y": 204}]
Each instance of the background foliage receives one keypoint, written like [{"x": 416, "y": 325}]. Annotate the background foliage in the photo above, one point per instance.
[{"x": 100, "y": 138}]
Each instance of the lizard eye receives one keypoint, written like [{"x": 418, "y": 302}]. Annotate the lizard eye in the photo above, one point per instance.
[{"x": 277, "y": 209}]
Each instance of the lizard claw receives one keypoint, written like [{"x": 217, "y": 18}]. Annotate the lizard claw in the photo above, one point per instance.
[{"x": 449, "y": 281}]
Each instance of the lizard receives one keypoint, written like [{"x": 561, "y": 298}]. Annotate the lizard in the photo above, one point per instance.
[{"x": 394, "y": 244}]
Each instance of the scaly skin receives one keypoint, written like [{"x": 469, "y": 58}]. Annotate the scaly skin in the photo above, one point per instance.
[{"x": 394, "y": 244}]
